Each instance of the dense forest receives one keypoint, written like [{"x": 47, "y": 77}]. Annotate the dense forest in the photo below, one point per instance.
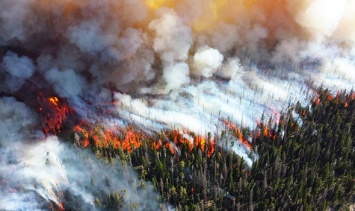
[{"x": 305, "y": 162}]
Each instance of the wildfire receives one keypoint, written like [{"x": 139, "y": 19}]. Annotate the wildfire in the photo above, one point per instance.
[
  {"x": 177, "y": 140},
  {"x": 128, "y": 139},
  {"x": 84, "y": 133},
  {"x": 102, "y": 137},
  {"x": 211, "y": 148},
  {"x": 330, "y": 97},
  {"x": 61, "y": 206},
  {"x": 157, "y": 144},
  {"x": 317, "y": 101},
  {"x": 237, "y": 133},
  {"x": 53, "y": 112},
  {"x": 131, "y": 141},
  {"x": 53, "y": 100},
  {"x": 170, "y": 146},
  {"x": 267, "y": 132},
  {"x": 337, "y": 98},
  {"x": 200, "y": 141}
]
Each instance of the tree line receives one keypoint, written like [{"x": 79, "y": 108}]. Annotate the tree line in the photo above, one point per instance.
[{"x": 306, "y": 162}]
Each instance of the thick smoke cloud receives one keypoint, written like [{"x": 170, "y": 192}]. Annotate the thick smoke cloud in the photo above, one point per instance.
[
  {"x": 16, "y": 121},
  {"x": 166, "y": 64},
  {"x": 66, "y": 83},
  {"x": 17, "y": 70},
  {"x": 36, "y": 171},
  {"x": 18, "y": 67},
  {"x": 143, "y": 51},
  {"x": 207, "y": 61}
]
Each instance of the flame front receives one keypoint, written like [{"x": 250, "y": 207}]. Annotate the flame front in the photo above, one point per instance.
[
  {"x": 128, "y": 139},
  {"x": 237, "y": 133},
  {"x": 53, "y": 112}
]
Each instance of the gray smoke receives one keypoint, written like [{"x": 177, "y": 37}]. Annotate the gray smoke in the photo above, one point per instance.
[
  {"x": 177, "y": 64},
  {"x": 37, "y": 171}
]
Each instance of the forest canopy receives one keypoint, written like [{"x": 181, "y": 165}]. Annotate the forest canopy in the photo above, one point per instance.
[{"x": 306, "y": 162}]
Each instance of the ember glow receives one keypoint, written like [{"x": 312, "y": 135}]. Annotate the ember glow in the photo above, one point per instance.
[
  {"x": 237, "y": 133},
  {"x": 53, "y": 113},
  {"x": 105, "y": 138},
  {"x": 128, "y": 139},
  {"x": 117, "y": 72}
]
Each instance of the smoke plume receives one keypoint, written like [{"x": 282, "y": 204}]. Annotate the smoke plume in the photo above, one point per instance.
[
  {"x": 160, "y": 65},
  {"x": 37, "y": 170}
]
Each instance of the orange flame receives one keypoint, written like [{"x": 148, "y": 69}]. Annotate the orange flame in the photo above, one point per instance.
[
  {"x": 157, "y": 144},
  {"x": 61, "y": 206},
  {"x": 338, "y": 98},
  {"x": 132, "y": 140},
  {"x": 53, "y": 100},
  {"x": 103, "y": 137},
  {"x": 317, "y": 101},
  {"x": 267, "y": 132},
  {"x": 170, "y": 147},
  {"x": 54, "y": 113},
  {"x": 84, "y": 133},
  {"x": 210, "y": 148},
  {"x": 237, "y": 133},
  {"x": 304, "y": 112},
  {"x": 200, "y": 141},
  {"x": 330, "y": 97}
]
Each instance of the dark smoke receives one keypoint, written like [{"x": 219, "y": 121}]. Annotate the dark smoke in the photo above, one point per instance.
[{"x": 159, "y": 65}]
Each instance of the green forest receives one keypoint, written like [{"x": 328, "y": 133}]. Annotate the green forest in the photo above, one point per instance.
[{"x": 306, "y": 162}]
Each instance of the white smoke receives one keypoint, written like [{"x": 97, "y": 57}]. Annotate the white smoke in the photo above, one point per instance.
[
  {"x": 172, "y": 42},
  {"x": 90, "y": 39},
  {"x": 230, "y": 68},
  {"x": 20, "y": 67},
  {"x": 15, "y": 118},
  {"x": 18, "y": 70},
  {"x": 176, "y": 75},
  {"x": 319, "y": 17},
  {"x": 172, "y": 38},
  {"x": 166, "y": 64},
  {"x": 35, "y": 172},
  {"x": 13, "y": 19},
  {"x": 66, "y": 83},
  {"x": 207, "y": 61}
]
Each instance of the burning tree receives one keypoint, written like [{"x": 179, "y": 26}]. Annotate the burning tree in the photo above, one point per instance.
[{"x": 300, "y": 165}]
